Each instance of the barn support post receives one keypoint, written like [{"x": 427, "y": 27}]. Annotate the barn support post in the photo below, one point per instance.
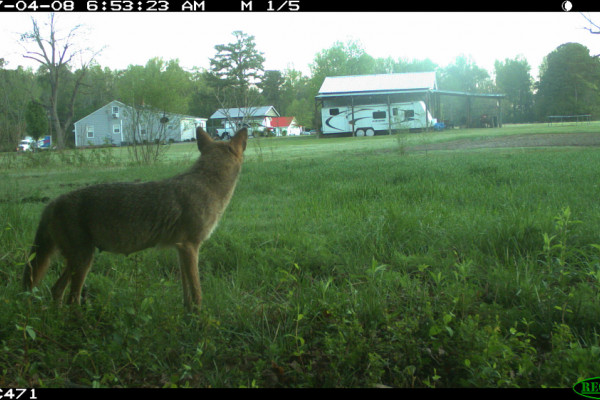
[
  {"x": 438, "y": 107},
  {"x": 427, "y": 98},
  {"x": 434, "y": 107},
  {"x": 468, "y": 111},
  {"x": 499, "y": 113},
  {"x": 317, "y": 116},
  {"x": 389, "y": 115},
  {"x": 352, "y": 120}
]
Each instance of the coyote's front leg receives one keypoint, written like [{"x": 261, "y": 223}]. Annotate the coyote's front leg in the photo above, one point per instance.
[{"x": 190, "y": 279}]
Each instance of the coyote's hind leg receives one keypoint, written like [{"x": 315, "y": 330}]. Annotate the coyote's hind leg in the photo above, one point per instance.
[{"x": 78, "y": 265}]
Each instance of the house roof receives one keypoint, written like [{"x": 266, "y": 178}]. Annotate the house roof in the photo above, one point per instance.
[
  {"x": 266, "y": 111},
  {"x": 370, "y": 84},
  {"x": 282, "y": 122},
  {"x": 120, "y": 104},
  {"x": 107, "y": 104}
]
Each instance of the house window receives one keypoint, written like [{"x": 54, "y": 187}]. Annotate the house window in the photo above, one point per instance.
[
  {"x": 117, "y": 129},
  {"x": 379, "y": 115},
  {"x": 90, "y": 131},
  {"x": 115, "y": 110},
  {"x": 334, "y": 111}
]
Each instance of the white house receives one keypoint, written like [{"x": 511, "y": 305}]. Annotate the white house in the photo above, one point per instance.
[{"x": 117, "y": 124}]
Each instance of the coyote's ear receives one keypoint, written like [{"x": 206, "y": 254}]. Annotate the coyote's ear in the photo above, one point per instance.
[
  {"x": 202, "y": 138},
  {"x": 240, "y": 139}
]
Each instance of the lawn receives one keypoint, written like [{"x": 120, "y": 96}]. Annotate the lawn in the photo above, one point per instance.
[{"x": 341, "y": 262}]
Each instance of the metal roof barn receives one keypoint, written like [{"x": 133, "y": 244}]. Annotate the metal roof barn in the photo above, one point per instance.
[
  {"x": 377, "y": 84},
  {"x": 389, "y": 91}
]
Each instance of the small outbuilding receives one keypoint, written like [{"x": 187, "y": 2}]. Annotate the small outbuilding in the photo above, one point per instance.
[
  {"x": 228, "y": 120},
  {"x": 286, "y": 126}
]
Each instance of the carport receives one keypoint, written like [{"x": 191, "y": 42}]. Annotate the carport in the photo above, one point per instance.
[
  {"x": 353, "y": 91},
  {"x": 468, "y": 98}
]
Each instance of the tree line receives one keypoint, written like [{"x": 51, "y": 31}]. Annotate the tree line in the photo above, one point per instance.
[{"x": 48, "y": 100}]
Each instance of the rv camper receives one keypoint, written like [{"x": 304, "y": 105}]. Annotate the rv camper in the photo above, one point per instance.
[{"x": 367, "y": 120}]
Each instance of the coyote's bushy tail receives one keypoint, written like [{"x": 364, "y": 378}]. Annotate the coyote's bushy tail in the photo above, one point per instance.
[{"x": 41, "y": 250}]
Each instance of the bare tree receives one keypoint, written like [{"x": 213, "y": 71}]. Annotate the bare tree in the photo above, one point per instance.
[
  {"x": 239, "y": 108},
  {"x": 148, "y": 132},
  {"x": 55, "y": 54},
  {"x": 594, "y": 28}
]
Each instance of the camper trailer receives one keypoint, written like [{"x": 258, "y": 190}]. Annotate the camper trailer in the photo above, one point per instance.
[{"x": 367, "y": 120}]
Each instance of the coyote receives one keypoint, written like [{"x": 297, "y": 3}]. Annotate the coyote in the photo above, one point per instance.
[{"x": 181, "y": 211}]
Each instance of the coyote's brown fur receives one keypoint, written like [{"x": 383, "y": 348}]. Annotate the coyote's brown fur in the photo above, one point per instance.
[{"x": 181, "y": 211}]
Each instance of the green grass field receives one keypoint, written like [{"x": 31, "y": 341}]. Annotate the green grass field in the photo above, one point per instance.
[{"x": 395, "y": 261}]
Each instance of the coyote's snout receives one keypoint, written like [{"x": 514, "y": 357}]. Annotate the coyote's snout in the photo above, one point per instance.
[{"x": 181, "y": 211}]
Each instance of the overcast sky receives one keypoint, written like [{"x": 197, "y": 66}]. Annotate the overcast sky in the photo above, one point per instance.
[{"x": 291, "y": 40}]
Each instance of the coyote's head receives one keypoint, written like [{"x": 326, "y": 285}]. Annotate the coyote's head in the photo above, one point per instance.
[{"x": 236, "y": 146}]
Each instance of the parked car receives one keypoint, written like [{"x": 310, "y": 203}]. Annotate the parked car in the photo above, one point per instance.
[
  {"x": 45, "y": 143},
  {"x": 223, "y": 134},
  {"x": 27, "y": 144}
]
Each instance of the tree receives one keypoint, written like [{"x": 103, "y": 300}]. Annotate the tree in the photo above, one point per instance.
[
  {"x": 154, "y": 93},
  {"x": 238, "y": 63},
  {"x": 569, "y": 82},
  {"x": 295, "y": 97},
  {"x": 146, "y": 132},
  {"x": 37, "y": 120},
  {"x": 235, "y": 72},
  {"x": 594, "y": 28},
  {"x": 55, "y": 54},
  {"x": 161, "y": 85},
  {"x": 339, "y": 60},
  {"x": 203, "y": 100},
  {"x": 463, "y": 76},
  {"x": 97, "y": 89},
  {"x": 17, "y": 88},
  {"x": 389, "y": 66},
  {"x": 271, "y": 88},
  {"x": 513, "y": 78}
]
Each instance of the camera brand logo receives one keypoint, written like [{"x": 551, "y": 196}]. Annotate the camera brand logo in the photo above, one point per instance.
[{"x": 588, "y": 388}]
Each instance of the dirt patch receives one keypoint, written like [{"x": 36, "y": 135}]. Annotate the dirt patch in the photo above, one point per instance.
[{"x": 527, "y": 140}]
